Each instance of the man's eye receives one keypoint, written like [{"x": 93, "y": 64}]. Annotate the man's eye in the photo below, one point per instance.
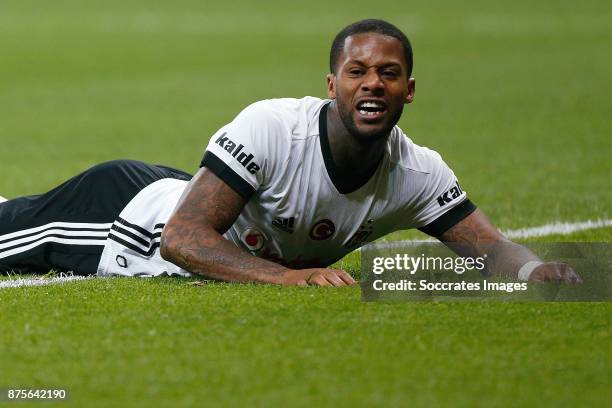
[
  {"x": 390, "y": 74},
  {"x": 355, "y": 71}
]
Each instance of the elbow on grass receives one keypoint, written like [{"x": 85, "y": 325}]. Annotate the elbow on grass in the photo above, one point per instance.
[{"x": 168, "y": 248}]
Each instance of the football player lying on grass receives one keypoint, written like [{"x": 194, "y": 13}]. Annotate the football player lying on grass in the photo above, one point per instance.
[{"x": 287, "y": 188}]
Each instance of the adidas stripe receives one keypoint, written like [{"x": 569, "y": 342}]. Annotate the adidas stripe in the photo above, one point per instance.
[
  {"x": 129, "y": 235},
  {"x": 135, "y": 237},
  {"x": 69, "y": 233}
]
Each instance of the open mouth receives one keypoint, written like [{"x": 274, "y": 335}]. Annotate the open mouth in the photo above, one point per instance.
[{"x": 371, "y": 109}]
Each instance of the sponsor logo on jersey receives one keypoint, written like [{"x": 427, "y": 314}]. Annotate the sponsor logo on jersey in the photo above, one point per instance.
[
  {"x": 244, "y": 158},
  {"x": 361, "y": 236},
  {"x": 450, "y": 195},
  {"x": 322, "y": 230},
  {"x": 253, "y": 239},
  {"x": 284, "y": 224}
]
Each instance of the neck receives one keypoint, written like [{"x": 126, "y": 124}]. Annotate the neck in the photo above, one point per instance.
[{"x": 352, "y": 156}]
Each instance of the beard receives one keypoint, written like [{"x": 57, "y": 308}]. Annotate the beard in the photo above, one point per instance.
[{"x": 366, "y": 136}]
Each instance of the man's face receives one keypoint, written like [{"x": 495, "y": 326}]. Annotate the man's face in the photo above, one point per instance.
[{"x": 371, "y": 85}]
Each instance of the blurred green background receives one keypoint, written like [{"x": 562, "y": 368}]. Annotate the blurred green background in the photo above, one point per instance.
[{"x": 514, "y": 95}]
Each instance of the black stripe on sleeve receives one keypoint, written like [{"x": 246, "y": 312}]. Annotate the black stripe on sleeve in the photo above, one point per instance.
[
  {"x": 130, "y": 234},
  {"x": 133, "y": 247},
  {"x": 449, "y": 219},
  {"x": 134, "y": 226},
  {"x": 229, "y": 176}
]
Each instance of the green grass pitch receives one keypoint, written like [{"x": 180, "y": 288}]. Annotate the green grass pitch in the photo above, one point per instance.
[{"x": 514, "y": 96}]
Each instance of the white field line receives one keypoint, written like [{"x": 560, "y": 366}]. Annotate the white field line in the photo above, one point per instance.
[
  {"x": 19, "y": 282},
  {"x": 556, "y": 228}
]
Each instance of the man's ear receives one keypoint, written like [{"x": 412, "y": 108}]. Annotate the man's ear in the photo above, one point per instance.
[
  {"x": 411, "y": 89},
  {"x": 331, "y": 86}
]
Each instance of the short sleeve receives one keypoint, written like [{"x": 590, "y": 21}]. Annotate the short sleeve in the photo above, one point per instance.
[
  {"x": 444, "y": 203},
  {"x": 240, "y": 152}
]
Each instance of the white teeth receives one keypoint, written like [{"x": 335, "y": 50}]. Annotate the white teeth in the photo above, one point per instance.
[
  {"x": 368, "y": 113},
  {"x": 371, "y": 105}
]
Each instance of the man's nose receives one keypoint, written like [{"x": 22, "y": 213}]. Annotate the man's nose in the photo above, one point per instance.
[{"x": 372, "y": 81}]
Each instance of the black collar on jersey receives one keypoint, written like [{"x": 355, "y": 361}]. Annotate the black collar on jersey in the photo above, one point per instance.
[{"x": 344, "y": 184}]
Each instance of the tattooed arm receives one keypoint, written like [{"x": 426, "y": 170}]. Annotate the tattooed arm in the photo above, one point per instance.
[
  {"x": 475, "y": 236},
  {"x": 192, "y": 239}
]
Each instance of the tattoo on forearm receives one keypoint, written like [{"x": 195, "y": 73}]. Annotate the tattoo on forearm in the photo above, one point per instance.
[
  {"x": 207, "y": 209},
  {"x": 475, "y": 236}
]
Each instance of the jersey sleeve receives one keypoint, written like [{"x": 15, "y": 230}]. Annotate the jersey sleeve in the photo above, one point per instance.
[
  {"x": 242, "y": 152},
  {"x": 444, "y": 203}
]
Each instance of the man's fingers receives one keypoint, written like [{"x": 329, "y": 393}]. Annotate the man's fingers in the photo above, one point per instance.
[
  {"x": 563, "y": 273},
  {"x": 324, "y": 277},
  {"x": 346, "y": 278},
  {"x": 568, "y": 274},
  {"x": 330, "y": 277},
  {"x": 318, "y": 279},
  {"x": 555, "y": 272},
  {"x": 339, "y": 277},
  {"x": 334, "y": 279}
]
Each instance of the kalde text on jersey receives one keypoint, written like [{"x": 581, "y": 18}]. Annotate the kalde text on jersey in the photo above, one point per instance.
[
  {"x": 412, "y": 264},
  {"x": 243, "y": 158}
]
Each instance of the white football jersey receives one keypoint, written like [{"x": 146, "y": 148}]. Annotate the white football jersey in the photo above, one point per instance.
[{"x": 276, "y": 155}]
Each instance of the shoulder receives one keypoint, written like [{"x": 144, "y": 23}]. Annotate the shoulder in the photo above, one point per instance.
[
  {"x": 281, "y": 112},
  {"x": 269, "y": 128},
  {"x": 410, "y": 156}
]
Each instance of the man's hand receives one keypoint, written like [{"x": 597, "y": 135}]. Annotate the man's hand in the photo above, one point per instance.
[
  {"x": 554, "y": 272},
  {"x": 477, "y": 236},
  {"x": 317, "y": 277}
]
